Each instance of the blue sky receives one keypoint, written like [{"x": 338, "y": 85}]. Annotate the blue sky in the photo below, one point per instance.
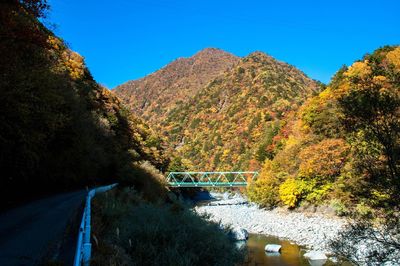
[{"x": 128, "y": 39}]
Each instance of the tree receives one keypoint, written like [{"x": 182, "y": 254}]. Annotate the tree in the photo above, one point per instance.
[
  {"x": 369, "y": 97},
  {"x": 370, "y": 103},
  {"x": 37, "y": 8}
]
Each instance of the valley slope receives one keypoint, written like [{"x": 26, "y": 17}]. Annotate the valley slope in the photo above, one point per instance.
[
  {"x": 153, "y": 96},
  {"x": 225, "y": 123}
]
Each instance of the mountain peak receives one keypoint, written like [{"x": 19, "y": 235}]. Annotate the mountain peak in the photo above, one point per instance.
[
  {"x": 211, "y": 51},
  {"x": 177, "y": 81},
  {"x": 259, "y": 56}
]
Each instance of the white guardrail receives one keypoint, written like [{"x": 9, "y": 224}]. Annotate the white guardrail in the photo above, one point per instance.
[{"x": 84, "y": 247}]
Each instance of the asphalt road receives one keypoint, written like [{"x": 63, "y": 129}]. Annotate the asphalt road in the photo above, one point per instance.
[{"x": 36, "y": 232}]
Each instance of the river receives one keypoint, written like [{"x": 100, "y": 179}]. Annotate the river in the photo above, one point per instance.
[{"x": 291, "y": 254}]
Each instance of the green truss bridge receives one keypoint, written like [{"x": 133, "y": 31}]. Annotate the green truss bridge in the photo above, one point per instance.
[{"x": 210, "y": 179}]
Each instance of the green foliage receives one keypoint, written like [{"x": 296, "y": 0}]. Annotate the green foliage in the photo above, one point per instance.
[
  {"x": 322, "y": 117},
  {"x": 363, "y": 209},
  {"x": 339, "y": 207},
  {"x": 264, "y": 150},
  {"x": 177, "y": 164},
  {"x": 317, "y": 194}
]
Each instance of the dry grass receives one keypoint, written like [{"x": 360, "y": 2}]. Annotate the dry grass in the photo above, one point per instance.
[{"x": 132, "y": 231}]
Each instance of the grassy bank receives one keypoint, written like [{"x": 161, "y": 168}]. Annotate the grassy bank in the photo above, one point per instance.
[{"x": 128, "y": 230}]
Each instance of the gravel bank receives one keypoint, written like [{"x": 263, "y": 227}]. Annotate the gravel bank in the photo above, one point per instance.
[{"x": 311, "y": 230}]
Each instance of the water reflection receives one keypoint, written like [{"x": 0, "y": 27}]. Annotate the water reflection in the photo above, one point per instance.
[{"x": 291, "y": 254}]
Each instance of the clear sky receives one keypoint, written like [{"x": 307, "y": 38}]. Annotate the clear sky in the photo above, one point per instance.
[{"x": 128, "y": 39}]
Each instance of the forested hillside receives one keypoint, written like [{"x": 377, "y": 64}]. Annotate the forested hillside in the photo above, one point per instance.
[
  {"x": 153, "y": 96},
  {"x": 343, "y": 146},
  {"x": 233, "y": 121},
  {"x": 58, "y": 128},
  {"x": 338, "y": 146}
]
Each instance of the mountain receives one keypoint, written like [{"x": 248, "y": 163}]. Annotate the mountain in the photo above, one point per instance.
[
  {"x": 153, "y": 96},
  {"x": 231, "y": 123},
  {"x": 227, "y": 122}
]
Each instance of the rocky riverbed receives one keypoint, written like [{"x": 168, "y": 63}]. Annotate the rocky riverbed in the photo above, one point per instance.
[{"x": 311, "y": 230}]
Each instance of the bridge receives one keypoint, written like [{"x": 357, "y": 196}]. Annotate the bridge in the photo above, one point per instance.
[{"x": 210, "y": 179}]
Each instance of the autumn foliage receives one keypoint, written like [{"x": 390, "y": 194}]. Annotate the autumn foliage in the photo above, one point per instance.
[
  {"x": 342, "y": 147},
  {"x": 59, "y": 129}
]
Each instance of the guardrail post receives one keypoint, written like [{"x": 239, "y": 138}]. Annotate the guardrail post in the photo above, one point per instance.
[
  {"x": 87, "y": 253},
  {"x": 84, "y": 247},
  {"x": 86, "y": 236}
]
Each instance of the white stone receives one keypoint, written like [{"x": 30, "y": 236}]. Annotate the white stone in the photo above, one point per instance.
[
  {"x": 313, "y": 231},
  {"x": 315, "y": 255},
  {"x": 273, "y": 248}
]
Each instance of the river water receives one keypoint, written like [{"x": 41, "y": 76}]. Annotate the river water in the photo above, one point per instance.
[{"x": 290, "y": 255}]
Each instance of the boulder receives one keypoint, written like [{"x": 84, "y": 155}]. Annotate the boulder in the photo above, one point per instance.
[
  {"x": 273, "y": 248},
  {"x": 239, "y": 233},
  {"x": 315, "y": 255}
]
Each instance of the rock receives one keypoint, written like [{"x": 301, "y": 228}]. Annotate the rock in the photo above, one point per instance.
[
  {"x": 240, "y": 244},
  {"x": 315, "y": 255},
  {"x": 317, "y": 262},
  {"x": 226, "y": 196},
  {"x": 239, "y": 233},
  {"x": 273, "y": 248}
]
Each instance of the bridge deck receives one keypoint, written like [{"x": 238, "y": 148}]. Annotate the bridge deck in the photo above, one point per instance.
[{"x": 210, "y": 179}]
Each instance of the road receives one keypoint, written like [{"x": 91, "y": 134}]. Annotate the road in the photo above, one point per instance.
[{"x": 36, "y": 232}]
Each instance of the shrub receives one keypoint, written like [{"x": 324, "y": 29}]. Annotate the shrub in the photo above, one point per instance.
[
  {"x": 316, "y": 194},
  {"x": 264, "y": 192},
  {"x": 292, "y": 191},
  {"x": 339, "y": 207},
  {"x": 145, "y": 178}
]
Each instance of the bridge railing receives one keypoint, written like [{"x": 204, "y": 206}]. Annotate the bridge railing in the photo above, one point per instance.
[
  {"x": 210, "y": 179},
  {"x": 84, "y": 247}
]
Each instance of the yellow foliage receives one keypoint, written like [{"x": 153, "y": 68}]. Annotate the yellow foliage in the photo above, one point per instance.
[
  {"x": 54, "y": 42},
  {"x": 379, "y": 79},
  {"x": 266, "y": 170},
  {"x": 264, "y": 192},
  {"x": 74, "y": 63},
  {"x": 214, "y": 109},
  {"x": 394, "y": 58},
  {"x": 291, "y": 141},
  {"x": 359, "y": 69},
  {"x": 290, "y": 192},
  {"x": 326, "y": 94},
  {"x": 342, "y": 90},
  {"x": 226, "y": 153}
]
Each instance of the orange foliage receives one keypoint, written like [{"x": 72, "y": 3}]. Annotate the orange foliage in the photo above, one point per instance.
[{"x": 324, "y": 159}]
